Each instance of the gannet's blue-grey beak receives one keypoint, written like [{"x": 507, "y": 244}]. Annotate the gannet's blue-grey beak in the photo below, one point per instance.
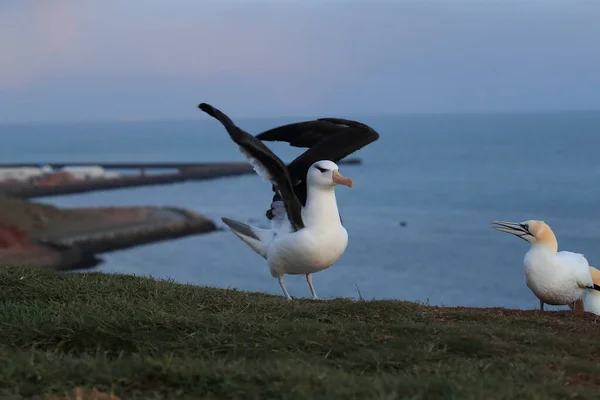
[{"x": 514, "y": 228}]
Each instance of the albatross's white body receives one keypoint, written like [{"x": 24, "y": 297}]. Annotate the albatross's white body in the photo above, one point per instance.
[{"x": 312, "y": 249}]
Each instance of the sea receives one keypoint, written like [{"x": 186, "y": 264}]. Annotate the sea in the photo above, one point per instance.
[{"x": 418, "y": 216}]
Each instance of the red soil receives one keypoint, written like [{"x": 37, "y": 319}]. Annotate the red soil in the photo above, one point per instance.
[
  {"x": 57, "y": 178},
  {"x": 521, "y": 313},
  {"x": 13, "y": 237}
]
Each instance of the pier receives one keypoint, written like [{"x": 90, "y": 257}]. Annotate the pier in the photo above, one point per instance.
[{"x": 186, "y": 171}]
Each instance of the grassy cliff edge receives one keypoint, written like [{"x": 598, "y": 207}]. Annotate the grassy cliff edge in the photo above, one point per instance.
[{"x": 151, "y": 339}]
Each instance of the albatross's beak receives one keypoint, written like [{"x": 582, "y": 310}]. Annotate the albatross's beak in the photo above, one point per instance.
[
  {"x": 514, "y": 228},
  {"x": 341, "y": 179}
]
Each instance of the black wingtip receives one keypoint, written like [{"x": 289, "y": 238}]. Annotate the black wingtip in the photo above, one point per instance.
[
  {"x": 596, "y": 287},
  {"x": 207, "y": 108}
]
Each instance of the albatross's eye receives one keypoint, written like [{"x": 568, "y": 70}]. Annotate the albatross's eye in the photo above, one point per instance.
[{"x": 321, "y": 169}]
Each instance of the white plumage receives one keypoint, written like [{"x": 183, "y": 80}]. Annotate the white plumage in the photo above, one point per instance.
[
  {"x": 592, "y": 302},
  {"x": 314, "y": 248},
  {"x": 257, "y": 166},
  {"x": 556, "y": 279}
]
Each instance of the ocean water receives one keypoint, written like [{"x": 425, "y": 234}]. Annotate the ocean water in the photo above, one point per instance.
[{"x": 446, "y": 176}]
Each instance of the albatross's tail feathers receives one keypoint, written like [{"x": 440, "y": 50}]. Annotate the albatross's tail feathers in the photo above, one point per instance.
[{"x": 257, "y": 238}]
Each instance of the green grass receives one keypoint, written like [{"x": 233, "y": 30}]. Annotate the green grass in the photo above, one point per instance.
[{"x": 149, "y": 339}]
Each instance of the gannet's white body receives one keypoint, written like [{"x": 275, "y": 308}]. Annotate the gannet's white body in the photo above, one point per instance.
[
  {"x": 592, "y": 299},
  {"x": 556, "y": 278}
]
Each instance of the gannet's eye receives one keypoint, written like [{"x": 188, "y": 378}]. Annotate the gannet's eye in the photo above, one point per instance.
[
  {"x": 525, "y": 226},
  {"x": 321, "y": 169}
]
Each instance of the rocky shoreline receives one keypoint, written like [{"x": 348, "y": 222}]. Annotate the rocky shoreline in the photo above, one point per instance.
[{"x": 38, "y": 235}]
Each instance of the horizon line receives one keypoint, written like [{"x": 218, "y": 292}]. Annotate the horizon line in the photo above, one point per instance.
[{"x": 300, "y": 116}]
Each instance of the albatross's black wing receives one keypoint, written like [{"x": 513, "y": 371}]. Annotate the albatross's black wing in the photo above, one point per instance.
[
  {"x": 327, "y": 139},
  {"x": 265, "y": 163}
]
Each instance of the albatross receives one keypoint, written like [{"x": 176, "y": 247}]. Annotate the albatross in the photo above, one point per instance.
[
  {"x": 306, "y": 234},
  {"x": 555, "y": 277}
]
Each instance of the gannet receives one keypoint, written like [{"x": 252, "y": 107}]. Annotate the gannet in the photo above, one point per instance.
[
  {"x": 556, "y": 278},
  {"x": 592, "y": 300},
  {"x": 306, "y": 234}
]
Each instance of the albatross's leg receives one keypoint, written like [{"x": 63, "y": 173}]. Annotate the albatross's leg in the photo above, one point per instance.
[
  {"x": 285, "y": 292},
  {"x": 541, "y": 305},
  {"x": 310, "y": 285}
]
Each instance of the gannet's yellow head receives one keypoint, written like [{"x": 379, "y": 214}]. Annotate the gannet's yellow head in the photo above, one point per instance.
[{"x": 533, "y": 231}]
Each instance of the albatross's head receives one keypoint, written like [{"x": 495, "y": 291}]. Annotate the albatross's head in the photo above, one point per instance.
[
  {"x": 532, "y": 231},
  {"x": 326, "y": 174}
]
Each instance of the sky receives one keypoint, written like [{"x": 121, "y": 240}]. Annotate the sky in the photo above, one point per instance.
[{"x": 86, "y": 60}]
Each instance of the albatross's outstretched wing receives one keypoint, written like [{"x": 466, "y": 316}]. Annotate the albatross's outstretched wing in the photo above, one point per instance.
[
  {"x": 327, "y": 139},
  {"x": 265, "y": 163}
]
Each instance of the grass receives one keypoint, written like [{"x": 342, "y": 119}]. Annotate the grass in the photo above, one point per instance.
[{"x": 64, "y": 335}]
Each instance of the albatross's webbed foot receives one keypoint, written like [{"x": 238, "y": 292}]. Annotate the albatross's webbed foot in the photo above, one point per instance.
[{"x": 285, "y": 292}]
